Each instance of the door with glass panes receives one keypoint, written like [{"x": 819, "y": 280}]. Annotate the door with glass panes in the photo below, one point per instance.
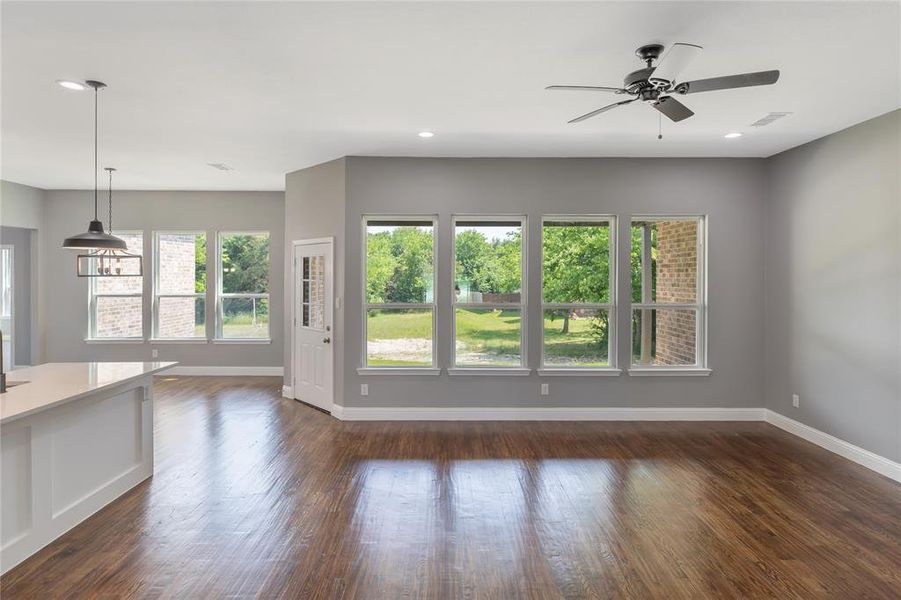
[{"x": 313, "y": 354}]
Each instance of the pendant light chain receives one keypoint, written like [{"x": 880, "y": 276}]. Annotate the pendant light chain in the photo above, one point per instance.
[{"x": 110, "y": 224}]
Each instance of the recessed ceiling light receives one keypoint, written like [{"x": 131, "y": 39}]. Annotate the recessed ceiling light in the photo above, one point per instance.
[
  {"x": 729, "y": 136},
  {"x": 70, "y": 85},
  {"x": 426, "y": 134}
]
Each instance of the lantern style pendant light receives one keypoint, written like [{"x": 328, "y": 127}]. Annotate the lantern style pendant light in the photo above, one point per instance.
[
  {"x": 95, "y": 238},
  {"x": 107, "y": 262}
]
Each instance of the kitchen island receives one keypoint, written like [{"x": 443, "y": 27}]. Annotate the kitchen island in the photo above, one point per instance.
[{"x": 73, "y": 438}]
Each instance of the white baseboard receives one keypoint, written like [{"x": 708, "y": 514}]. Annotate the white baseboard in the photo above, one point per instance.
[
  {"x": 287, "y": 392},
  {"x": 361, "y": 413},
  {"x": 227, "y": 371},
  {"x": 868, "y": 459},
  {"x": 865, "y": 458}
]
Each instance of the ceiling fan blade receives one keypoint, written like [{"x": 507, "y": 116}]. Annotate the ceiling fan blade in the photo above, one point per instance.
[
  {"x": 585, "y": 88},
  {"x": 672, "y": 108},
  {"x": 674, "y": 61},
  {"x": 600, "y": 110},
  {"x": 728, "y": 82}
]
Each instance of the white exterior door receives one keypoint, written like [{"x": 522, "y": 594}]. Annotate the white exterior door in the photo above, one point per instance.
[{"x": 313, "y": 301}]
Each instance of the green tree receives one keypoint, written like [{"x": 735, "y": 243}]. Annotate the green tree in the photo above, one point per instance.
[
  {"x": 380, "y": 265},
  {"x": 200, "y": 263},
  {"x": 577, "y": 267},
  {"x": 245, "y": 264},
  {"x": 412, "y": 277}
]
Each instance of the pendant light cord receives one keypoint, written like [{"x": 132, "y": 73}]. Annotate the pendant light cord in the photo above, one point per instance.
[{"x": 95, "y": 153}]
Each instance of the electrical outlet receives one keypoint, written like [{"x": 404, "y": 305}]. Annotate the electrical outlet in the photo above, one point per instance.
[
  {"x": 544, "y": 389},
  {"x": 155, "y": 353},
  {"x": 796, "y": 400},
  {"x": 364, "y": 389}
]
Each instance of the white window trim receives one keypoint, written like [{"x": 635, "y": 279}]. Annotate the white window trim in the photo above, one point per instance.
[
  {"x": 218, "y": 337},
  {"x": 612, "y": 369},
  {"x": 366, "y": 369},
  {"x": 701, "y": 367},
  {"x": 155, "y": 308},
  {"x": 523, "y": 368},
  {"x": 91, "y": 336}
]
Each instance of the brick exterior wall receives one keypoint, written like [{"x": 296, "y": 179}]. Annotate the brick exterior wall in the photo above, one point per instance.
[
  {"x": 176, "y": 315},
  {"x": 122, "y": 317},
  {"x": 677, "y": 279}
]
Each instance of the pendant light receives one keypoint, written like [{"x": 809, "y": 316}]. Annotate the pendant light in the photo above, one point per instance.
[
  {"x": 95, "y": 238},
  {"x": 106, "y": 262}
]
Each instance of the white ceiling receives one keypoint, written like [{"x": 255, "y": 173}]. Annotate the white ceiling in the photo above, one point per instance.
[{"x": 269, "y": 88}]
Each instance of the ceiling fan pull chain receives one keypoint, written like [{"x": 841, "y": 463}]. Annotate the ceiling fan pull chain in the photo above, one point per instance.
[{"x": 659, "y": 126}]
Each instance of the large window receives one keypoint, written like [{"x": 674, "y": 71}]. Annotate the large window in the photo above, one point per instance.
[
  {"x": 179, "y": 301},
  {"x": 116, "y": 302},
  {"x": 578, "y": 319},
  {"x": 242, "y": 299},
  {"x": 489, "y": 292},
  {"x": 668, "y": 292},
  {"x": 399, "y": 302}
]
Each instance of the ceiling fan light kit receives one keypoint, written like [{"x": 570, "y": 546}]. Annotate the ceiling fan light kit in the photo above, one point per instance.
[{"x": 658, "y": 85}]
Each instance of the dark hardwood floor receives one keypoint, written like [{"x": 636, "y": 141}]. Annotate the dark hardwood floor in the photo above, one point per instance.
[{"x": 258, "y": 496}]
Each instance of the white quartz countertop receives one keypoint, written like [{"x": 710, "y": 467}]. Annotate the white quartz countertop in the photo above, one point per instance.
[{"x": 52, "y": 384}]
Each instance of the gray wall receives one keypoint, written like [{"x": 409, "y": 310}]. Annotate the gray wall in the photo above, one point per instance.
[
  {"x": 22, "y": 206},
  {"x": 21, "y": 240},
  {"x": 65, "y": 316},
  {"x": 833, "y": 284},
  {"x": 730, "y": 191},
  {"x": 314, "y": 208}
]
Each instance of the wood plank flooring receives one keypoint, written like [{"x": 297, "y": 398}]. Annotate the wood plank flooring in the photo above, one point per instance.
[{"x": 258, "y": 496}]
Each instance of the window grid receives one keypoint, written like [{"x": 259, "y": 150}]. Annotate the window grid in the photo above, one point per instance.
[
  {"x": 699, "y": 307},
  {"x": 521, "y": 306},
  {"x": 367, "y": 305},
  {"x": 96, "y": 295},
  {"x": 609, "y": 306},
  {"x": 158, "y": 295},
  {"x": 222, "y": 297}
]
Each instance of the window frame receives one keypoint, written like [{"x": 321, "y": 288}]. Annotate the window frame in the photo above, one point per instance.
[
  {"x": 523, "y": 305},
  {"x": 93, "y": 295},
  {"x": 157, "y": 295},
  {"x": 700, "y": 306},
  {"x": 220, "y": 295},
  {"x": 365, "y": 367},
  {"x": 612, "y": 367}
]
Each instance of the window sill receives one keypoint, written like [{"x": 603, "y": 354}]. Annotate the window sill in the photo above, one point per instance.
[
  {"x": 179, "y": 341},
  {"x": 586, "y": 372},
  {"x": 243, "y": 341},
  {"x": 114, "y": 340},
  {"x": 669, "y": 372},
  {"x": 515, "y": 371},
  {"x": 398, "y": 371}
]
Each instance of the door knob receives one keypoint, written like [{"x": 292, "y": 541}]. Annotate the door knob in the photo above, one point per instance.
[{"x": 326, "y": 340}]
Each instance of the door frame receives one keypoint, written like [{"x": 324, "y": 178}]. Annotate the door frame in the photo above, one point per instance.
[{"x": 330, "y": 240}]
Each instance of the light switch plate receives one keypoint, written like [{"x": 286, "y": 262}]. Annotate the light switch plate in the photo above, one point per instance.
[
  {"x": 796, "y": 400},
  {"x": 544, "y": 389},
  {"x": 364, "y": 389}
]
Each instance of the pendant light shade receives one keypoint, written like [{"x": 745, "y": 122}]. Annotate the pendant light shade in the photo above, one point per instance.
[
  {"x": 95, "y": 238},
  {"x": 107, "y": 260}
]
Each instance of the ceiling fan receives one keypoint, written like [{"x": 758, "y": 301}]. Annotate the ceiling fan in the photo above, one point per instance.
[{"x": 659, "y": 85}]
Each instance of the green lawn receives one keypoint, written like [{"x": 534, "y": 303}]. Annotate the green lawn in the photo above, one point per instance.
[{"x": 488, "y": 334}]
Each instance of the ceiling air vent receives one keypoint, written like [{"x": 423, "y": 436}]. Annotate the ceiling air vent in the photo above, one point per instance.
[
  {"x": 773, "y": 116},
  {"x": 221, "y": 166}
]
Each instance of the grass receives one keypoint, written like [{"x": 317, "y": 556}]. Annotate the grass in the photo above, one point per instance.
[{"x": 492, "y": 333}]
